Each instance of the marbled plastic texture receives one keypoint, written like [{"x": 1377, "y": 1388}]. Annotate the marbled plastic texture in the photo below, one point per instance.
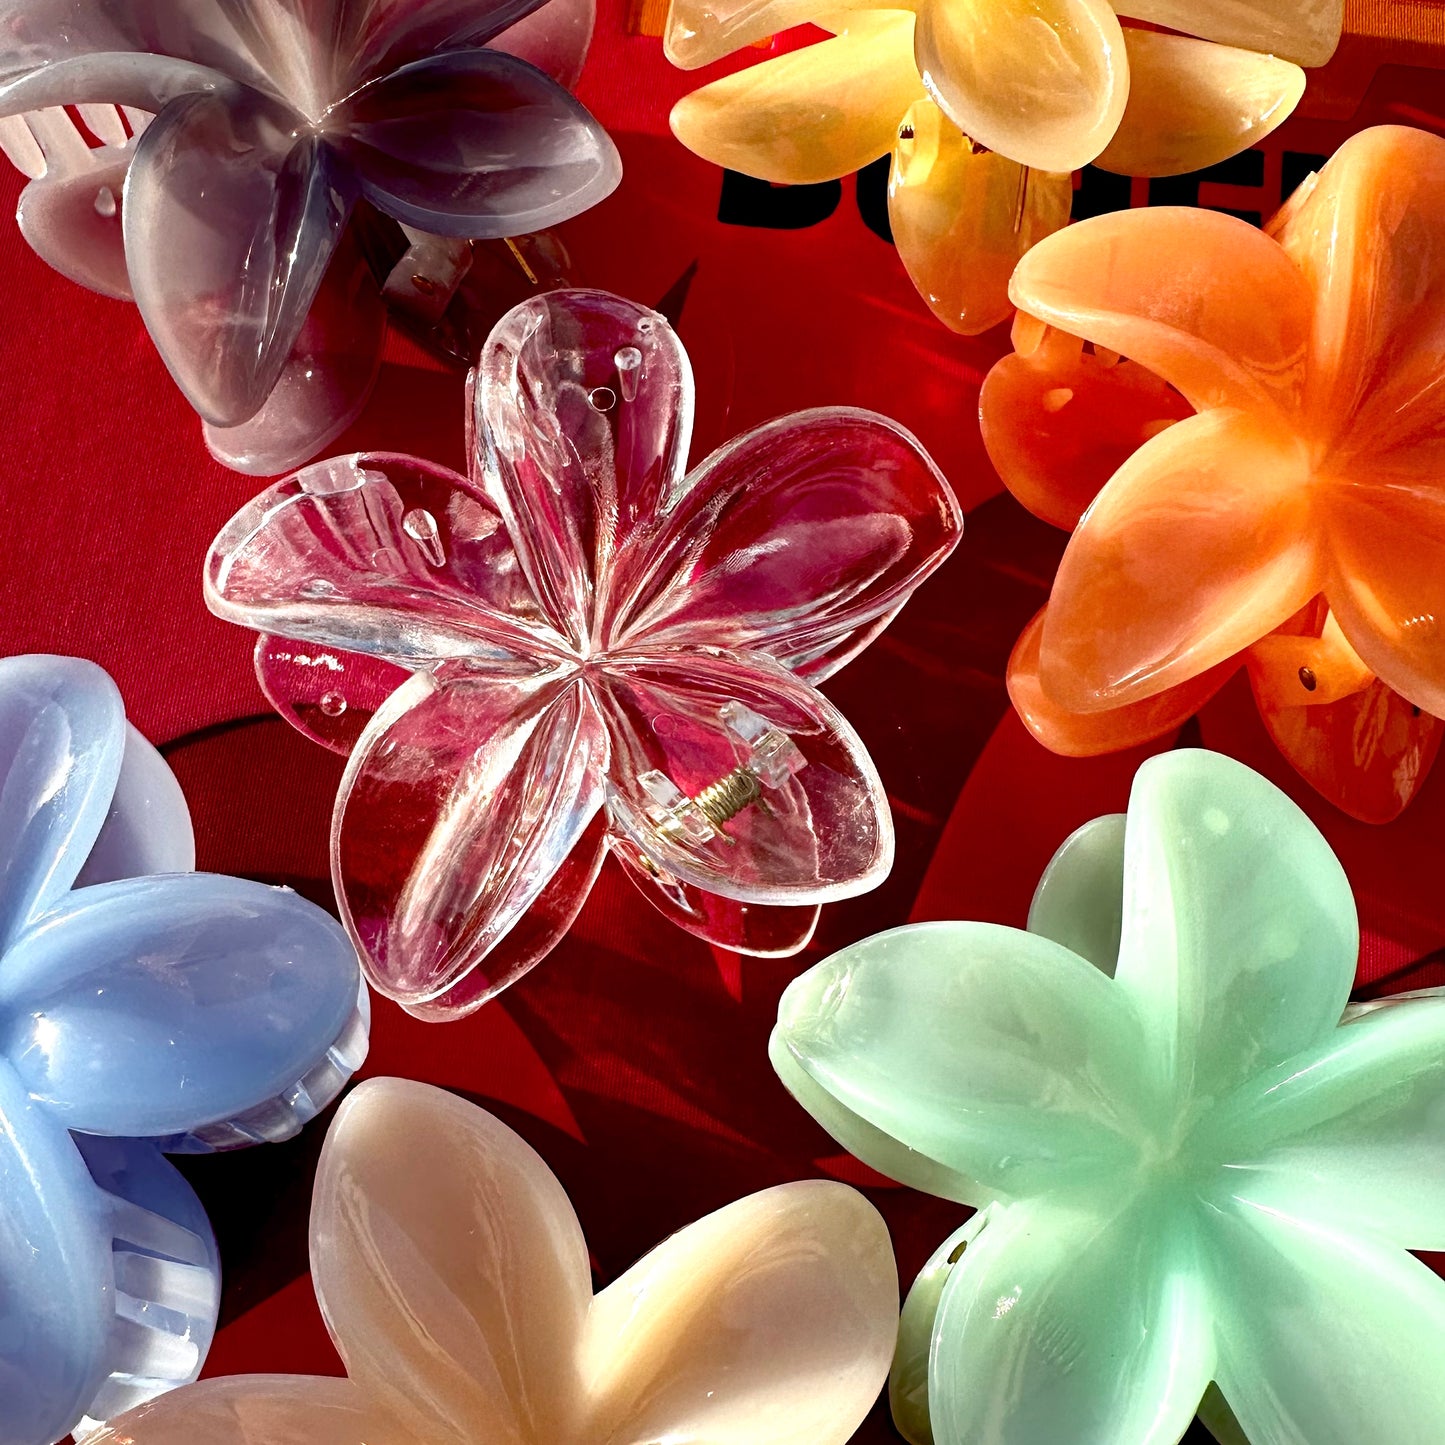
[
  {"x": 454, "y": 1279},
  {"x": 1191, "y": 1163},
  {"x": 182, "y": 1012},
  {"x": 236, "y": 140},
  {"x": 987, "y": 106},
  {"x": 579, "y": 615},
  {"x": 1260, "y": 484}
]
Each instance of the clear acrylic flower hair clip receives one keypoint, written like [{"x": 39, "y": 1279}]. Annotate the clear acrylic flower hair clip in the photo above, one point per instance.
[
  {"x": 227, "y": 145},
  {"x": 606, "y": 652}
]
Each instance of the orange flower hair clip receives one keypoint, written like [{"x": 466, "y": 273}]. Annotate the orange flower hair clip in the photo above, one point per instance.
[{"x": 1294, "y": 523}]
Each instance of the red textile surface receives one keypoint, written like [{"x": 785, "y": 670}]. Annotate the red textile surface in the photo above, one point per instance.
[{"x": 634, "y": 1058}]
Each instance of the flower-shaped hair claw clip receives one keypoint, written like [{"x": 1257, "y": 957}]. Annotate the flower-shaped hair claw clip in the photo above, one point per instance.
[
  {"x": 454, "y": 1279},
  {"x": 248, "y": 133},
  {"x": 609, "y": 652},
  {"x": 1295, "y": 523},
  {"x": 179, "y": 1013},
  {"x": 987, "y": 106},
  {"x": 1187, "y": 1168}
]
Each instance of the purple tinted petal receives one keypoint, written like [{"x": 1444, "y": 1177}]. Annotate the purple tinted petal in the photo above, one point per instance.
[
  {"x": 800, "y": 539},
  {"x": 395, "y": 32},
  {"x": 326, "y": 380},
  {"x": 554, "y": 38},
  {"x": 460, "y": 804},
  {"x": 378, "y": 554},
  {"x": 583, "y": 413},
  {"x": 823, "y": 833},
  {"x": 476, "y": 143},
  {"x": 230, "y": 224},
  {"x": 116, "y": 77}
]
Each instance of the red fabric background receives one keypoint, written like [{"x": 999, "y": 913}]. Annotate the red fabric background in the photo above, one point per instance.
[{"x": 633, "y": 1058}]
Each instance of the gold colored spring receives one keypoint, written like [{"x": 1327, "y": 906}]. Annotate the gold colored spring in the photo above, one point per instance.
[{"x": 723, "y": 800}]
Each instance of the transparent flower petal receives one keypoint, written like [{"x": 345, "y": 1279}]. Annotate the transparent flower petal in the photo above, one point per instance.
[
  {"x": 385, "y": 555},
  {"x": 794, "y": 539},
  {"x": 811, "y": 115},
  {"x": 1304, "y": 31},
  {"x": 1226, "y": 322},
  {"x": 808, "y": 836},
  {"x": 770, "y": 1322},
  {"x": 989, "y": 1055},
  {"x": 1200, "y": 545},
  {"x": 230, "y": 223},
  {"x": 701, "y": 31},
  {"x": 476, "y": 143},
  {"x": 1193, "y": 103},
  {"x": 1229, "y": 988},
  {"x": 583, "y": 410},
  {"x": 459, "y": 805},
  {"x": 1042, "y": 82},
  {"x": 62, "y": 739},
  {"x": 456, "y": 1288}
]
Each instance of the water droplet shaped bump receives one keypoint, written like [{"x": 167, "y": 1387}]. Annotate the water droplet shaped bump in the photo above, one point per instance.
[
  {"x": 332, "y": 704},
  {"x": 602, "y": 398},
  {"x": 105, "y": 202},
  {"x": 628, "y": 361},
  {"x": 421, "y": 527}
]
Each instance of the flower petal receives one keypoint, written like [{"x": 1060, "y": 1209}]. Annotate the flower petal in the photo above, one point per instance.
[
  {"x": 770, "y": 1322},
  {"x": 1059, "y": 421},
  {"x": 228, "y": 992},
  {"x": 393, "y": 33},
  {"x": 460, "y": 802},
  {"x": 1042, "y": 82},
  {"x": 962, "y": 217},
  {"x": 583, "y": 408},
  {"x": 814, "y": 114},
  {"x": 794, "y": 539},
  {"x": 1386, "y": 584},
  {"x": 1348, "y": 1132},
  {"x": 449, "y": 1266},
  {"x": 250, "y": 1410},
  {"x": 385, "y": 555},
  {"x": 822, "y": 833},
  {"x": 476, "y": 143},
  {"x": 1319, "y": 1333},
  {"x": 148, "y": 829},
  {"x": 1080, "y": 899},
  {"x": 1239, "y": 936},
  {"x": 326, "y": 694},
  {"x": 1377, "y": 266},
  {"x": 1200, "y": 545},
  {"x": 1225, "y": 321},
  {"x": 995, "y": 1055},
  {"x": 230, "y": 224},
  {"x": 55, "y": 1269},
  {"x": 1073, "y": 1321},
  {"x": 1304, "y": 31},
  {"x": 62, "y": 738},
  {"x": 148, "y": 82},
  {"x": 1193, "y": 103},
  {"x": 701, "y": 31},
  {"x": 757, "y": 929},
  {"x": 555, "y": 37},
  {"x": 326, "y": 380}
]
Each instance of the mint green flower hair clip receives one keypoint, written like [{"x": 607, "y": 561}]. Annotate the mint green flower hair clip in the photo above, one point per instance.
[{"x": 1197, "y": 1173}]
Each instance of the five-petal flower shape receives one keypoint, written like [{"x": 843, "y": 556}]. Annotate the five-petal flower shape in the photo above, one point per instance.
[
  {"x": 986, "y": 106},
  {"x": 1296, "y": 520},
  {"x": 454, "y": 1278},
  {"x": 182, "y": 1012},
  {"x": 274, "y": 117},
  {"x": 1190, "y": 1170},
  {"x": 593, "y": 629}
]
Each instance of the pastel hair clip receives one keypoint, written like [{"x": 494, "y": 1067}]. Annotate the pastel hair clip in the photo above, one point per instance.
[
  {"x": 147, "y": 1009},
  {"x": 1256, "y": 484},
  {"x": 987, "y": 108},
  {"x": 236, "y": 140},
  {"x": 454, "y": 1279},
  {"x": 582, "y": 647},
  {"x": 1198, "y": 1172}
]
